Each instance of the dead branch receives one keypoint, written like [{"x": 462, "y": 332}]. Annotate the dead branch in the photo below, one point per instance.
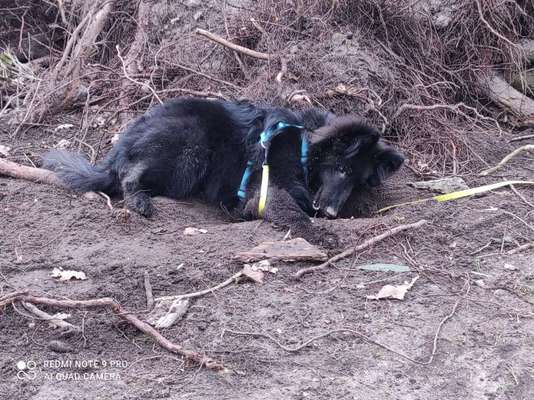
[
  {"x": 233, "y": 46},
  {"x": 502, "y": 93},
  {"x": 516, "y": 139},
  {"x": 108, "y": 302},
  {"x": 368, "y": 243},
  {"x": 125, "y": 72},
  {"x": 39, "y": 175},
  {"x": 57, "y": 322},
  {"x": 527, "y": 147}
]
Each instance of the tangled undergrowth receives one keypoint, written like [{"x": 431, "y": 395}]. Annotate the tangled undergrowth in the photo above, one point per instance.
[{"x": 421, "y": 70}]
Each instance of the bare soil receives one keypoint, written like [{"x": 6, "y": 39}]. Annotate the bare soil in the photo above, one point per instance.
[{"x": 484, "y": 348}]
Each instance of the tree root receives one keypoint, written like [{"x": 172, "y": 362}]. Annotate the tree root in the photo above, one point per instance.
[
  {"x": 514, "y": 153},
  {"x": 108, "y": 302}
]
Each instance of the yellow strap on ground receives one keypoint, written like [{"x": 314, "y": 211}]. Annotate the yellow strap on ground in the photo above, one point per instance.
[
  {"x": 263, "y": 190},
  {"x": 461, "y": 193}
]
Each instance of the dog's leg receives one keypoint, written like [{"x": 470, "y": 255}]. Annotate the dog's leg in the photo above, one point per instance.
[
  {"x": 135, "y": 198},
  {"x": 282, "y": 210}
]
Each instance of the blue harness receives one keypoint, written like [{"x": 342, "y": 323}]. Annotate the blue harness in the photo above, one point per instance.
[{"x": 265, "y": 141}]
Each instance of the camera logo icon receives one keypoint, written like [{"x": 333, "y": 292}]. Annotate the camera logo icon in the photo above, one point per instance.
[{"x": 26, "y": 369}]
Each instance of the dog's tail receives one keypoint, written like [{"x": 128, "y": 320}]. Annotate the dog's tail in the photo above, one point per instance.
[{"x": 77, "y": 173}]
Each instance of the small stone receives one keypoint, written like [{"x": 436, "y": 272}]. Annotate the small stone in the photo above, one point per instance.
[
  {"x": 510, "y": 267},
  {"x": 59, "y": 346}
]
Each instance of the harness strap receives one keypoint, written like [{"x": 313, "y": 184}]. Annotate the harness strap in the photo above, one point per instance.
[
  {"x": 265, "y": 141},
  {"x": 242, "y": 192}
]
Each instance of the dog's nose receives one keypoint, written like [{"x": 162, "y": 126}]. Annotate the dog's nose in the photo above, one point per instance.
[{"x": 331, "y": 212}]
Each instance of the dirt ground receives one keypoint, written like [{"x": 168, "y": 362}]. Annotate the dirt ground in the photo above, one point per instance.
[{"x": 473, "y": 300}]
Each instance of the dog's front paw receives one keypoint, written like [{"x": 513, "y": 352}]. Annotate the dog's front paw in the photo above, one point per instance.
[{"x": 140, "y": 203}]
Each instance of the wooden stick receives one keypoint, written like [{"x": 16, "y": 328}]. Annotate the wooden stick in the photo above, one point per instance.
[
  {"x": 200, "y": 293},
  {"x": 514, "y": 153},
  {"x": 233, "y": 46},
  {"x": 40, "y": 175},
  {"x": 363, "y": 246},
  {"x": 148, "y": 292},
  {"x": 204, "y": 361},
  {"x": 58, "y": 322}
]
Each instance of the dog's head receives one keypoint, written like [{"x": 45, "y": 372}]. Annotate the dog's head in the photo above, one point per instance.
[{"x": 346, "y": 153}]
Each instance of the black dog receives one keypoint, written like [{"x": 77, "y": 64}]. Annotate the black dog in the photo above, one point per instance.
[
  {"x": 200, "y": 148},
  {"x": 345, "y": 154}
]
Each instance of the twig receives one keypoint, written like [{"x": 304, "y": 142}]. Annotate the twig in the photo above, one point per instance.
[
  {"x": 514, "y": 153},
  {"x": 200, "y": 293},
  {"x": 148, "y": 292},
  {"x": 525, "y": 246},
  {"x": 195, "y": 93},
  {"x": 363, "y": 246},
  {"x": 125, "y": 73},
  {"x": 58, "y": 322},
  {"x": 521, "y": 196},
  {"x": 453, "y": 107},
  {"x": 521, "y": 138},
  {"x": 233, "y": 46},
  {"x": 436, "y": 336},
  {"x": 108, "y": 200},
  {"x": 117, "y": 309},
  {"x": 492, "y": 30},
  {"x": 38, "y": 175},
  {"x": 345, "y": 330}
]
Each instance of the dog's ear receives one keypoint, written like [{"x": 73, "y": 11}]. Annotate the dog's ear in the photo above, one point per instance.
[
  {"x": 334, "y": 127},
  {"x": 389, "y": 161},
  {"x": 365, "y": 140}
]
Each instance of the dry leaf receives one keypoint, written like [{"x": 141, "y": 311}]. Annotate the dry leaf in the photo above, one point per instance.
[
  {"x": 265, "y": 266},
  {"x": 62, "y": 144},
  {"x": 66, "y": 275},
  {"x": 63, "y": 126},
  {"x": 253, "y": 274},
  {"x": 4, "y": 150},
  {"x": 190, "y": 231},
  {"x": 394, "y": 292}
]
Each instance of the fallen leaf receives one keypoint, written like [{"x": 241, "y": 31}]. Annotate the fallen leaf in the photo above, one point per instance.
[
  {"x": 190, "y": 231},
  {"x": 265, "y": 266},
  {"x": 384, "y": 268},
  {"x": 253, "y": 274},
  {"x": 62, "y": 144},
  {"x": 510, "y": 267},
  {"x": 66, "y": 275},
  {"x": 394, "y": 292},
  {"x": 63, "y": 126}
]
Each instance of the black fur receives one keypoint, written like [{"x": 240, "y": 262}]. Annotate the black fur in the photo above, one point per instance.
[
  {"x": 345, "y": 153},
  {"x": 197, "y": 148}
]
